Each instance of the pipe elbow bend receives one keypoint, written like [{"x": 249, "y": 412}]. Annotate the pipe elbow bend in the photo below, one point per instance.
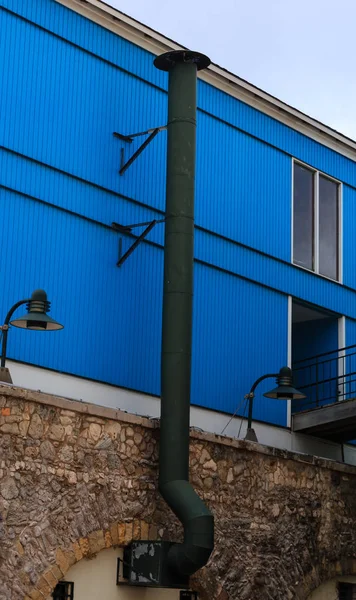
[{"x": 198, "y": 523}]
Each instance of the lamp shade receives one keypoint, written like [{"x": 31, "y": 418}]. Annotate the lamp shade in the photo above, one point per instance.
[
  {"x": 285, "y": 389},
  {"x": 36, "y": 317}
]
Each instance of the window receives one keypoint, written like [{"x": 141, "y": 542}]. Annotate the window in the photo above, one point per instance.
[
  {"x": 64, "y": 590},
  {"x": 347, "y": 591},
  {"x": 316, "y": 222}
]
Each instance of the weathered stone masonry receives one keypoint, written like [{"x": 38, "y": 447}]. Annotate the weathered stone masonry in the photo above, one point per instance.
[{"x": 76, "y": 478}]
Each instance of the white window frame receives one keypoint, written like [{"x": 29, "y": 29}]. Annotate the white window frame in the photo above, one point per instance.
[{"x": 316, "y": 174}]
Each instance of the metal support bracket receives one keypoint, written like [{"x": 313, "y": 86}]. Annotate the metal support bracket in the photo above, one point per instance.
[
  {"x": 129, "y": 139},
  {"x": 128, "y": 230}
]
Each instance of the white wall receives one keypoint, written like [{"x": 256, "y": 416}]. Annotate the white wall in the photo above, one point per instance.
[
  {"x": 329, "y": 591},
  {"x": 95, "y": 579},
  {"x": 75, "y": 388}
]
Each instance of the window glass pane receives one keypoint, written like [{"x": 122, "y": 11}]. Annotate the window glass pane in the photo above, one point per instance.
[
  {"x": 303, "y": 217},
  {"x": 328, "y": 228}
]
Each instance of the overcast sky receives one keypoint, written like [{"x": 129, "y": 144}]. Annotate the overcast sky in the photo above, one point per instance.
[{"x": 303, "y": 51}]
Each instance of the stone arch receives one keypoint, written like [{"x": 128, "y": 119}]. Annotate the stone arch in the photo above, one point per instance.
[{"x": 119, "y": 534}]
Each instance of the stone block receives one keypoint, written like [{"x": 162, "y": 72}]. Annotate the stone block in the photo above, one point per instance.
[
  {"x": 204, "y": 457},
  {"x": 128, "y": 533},
  {"x": 108, "y": 540},
  {"x": 94, "y": 432},
  {"x": 96, "y": 541},
  {"x": 121, "y": 534},
  {"x": 70, "y": 556},
  {"x": 144, "y": 530},
  {"x": 57, "y": 573},
  {"x": 43, "y": 587},
  {"x": 62, "y": 561},
  {"x": 137, "y": 438},
  {"x": 114, "y": 534},
  {"x": 77, "y": 551},
  {"x": 152, "y": 532},
  {"x": 50, "y": 578},
  {"x": 23, "y": 427},
  {"x": 136, "y": 532},
  {"x": 20, "y": 548},
  {"x": 113, "y": 429},
  {"x": 84, "y": 546},
  {"x": 47, "y": 450},
  {"x": 12, "y": 428},
  {"x": 35, "y": 429},
  {"x": 56, "y": 432},
  {"x": 8, "y": 488}
]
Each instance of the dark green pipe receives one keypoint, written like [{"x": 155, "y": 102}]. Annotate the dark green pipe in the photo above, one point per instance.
[{"x": 198, "y": 522}]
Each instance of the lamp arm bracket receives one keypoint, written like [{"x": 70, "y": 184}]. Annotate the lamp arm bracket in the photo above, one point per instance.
[
  {"x": 151, "y": 133},
  {"x": 128, "y": 229},
  {"x": 13, "y": 308},
  {"x": 258, "y": 381},
  {"x": 5, "y": 329}
]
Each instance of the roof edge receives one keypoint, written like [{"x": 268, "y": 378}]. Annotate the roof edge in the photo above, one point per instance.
[{"x": 156, "y": 43}]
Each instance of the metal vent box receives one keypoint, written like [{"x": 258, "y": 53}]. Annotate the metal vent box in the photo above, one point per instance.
[{"x": 145, "y": 564}]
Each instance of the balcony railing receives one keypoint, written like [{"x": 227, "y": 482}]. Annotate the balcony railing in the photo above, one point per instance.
[{"x": 326, "y": 378}]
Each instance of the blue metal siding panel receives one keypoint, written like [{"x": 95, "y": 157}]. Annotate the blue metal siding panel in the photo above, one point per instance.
[
  {"x": 349, "y": 235},
  {"x": 107, "y": 46},
  {"x": 243, "y": 188},
  {"x": 112, "y": 316},
  {"x": 240, "y": 333},
  {"x": 309, "y": 339},
  {"x": 350, "y": 332},
  {"x": 280, "y": 276},
  {"x": 63, "y": 105},
  {"x": 350, "y": 365},
  {"x": 51, "y": 186},
  {"x": 265, "y": 128},
  {"x": 93, "y": 38},
  {"x": 106, "y": 207}
]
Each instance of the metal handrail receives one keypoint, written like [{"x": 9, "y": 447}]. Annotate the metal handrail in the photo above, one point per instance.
[
  {"x": 331, "y": 379},
  {"x": 296, "y": 362}
]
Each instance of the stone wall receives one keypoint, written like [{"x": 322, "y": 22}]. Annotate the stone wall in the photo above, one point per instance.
[{"x": 76, "y": 478}]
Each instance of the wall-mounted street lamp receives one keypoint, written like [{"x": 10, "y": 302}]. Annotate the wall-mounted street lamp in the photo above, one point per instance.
[
  {"x": 284, "y": 391},
  {"x": 35, "y": 319}
]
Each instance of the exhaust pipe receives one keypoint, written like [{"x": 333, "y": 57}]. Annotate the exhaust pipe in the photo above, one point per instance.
[{"x": 198, "y": 522}]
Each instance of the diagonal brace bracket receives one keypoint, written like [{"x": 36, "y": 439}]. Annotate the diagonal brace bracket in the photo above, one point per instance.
[
  {"x": 128, "y": 229},
  {"x": 129, "y": 139}
]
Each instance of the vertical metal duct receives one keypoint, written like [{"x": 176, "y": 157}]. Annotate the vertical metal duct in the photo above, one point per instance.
[{"x": 198, "y": 522}]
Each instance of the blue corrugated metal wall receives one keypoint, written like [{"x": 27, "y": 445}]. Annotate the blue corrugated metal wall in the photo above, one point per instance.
[
  {"x": 113, "y": 316},
  {"x": 309, "y": 339},
  {"x": 349, "y": 230},
  {"x": 67, "y": 84},
  {"x": 350, "y": 327},
  {"x": 240, "y": 332}
]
